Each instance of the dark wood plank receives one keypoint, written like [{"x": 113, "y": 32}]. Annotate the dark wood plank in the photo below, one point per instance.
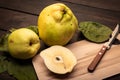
[
  {"x": 2, "y": 32},
  {"x": 106, "y": 17},
  {"x": 104, "y": 4},
  {"x": 11, "y": 19},
  {"x": 83, "y": 13},
  {"x": 27, "y": 6}
]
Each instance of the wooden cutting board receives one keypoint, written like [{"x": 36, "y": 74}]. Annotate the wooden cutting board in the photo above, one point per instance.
[{"x": 85, "y": 52}]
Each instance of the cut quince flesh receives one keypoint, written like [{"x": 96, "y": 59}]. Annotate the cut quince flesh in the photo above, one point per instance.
[{"x": 59, "y": 59}]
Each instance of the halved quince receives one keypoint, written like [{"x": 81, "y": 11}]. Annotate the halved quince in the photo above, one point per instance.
[{"x": 59, "y": 59}]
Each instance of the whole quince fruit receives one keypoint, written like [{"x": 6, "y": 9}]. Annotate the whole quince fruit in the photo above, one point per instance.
[
  {"x": 57, "y": 24},
  {"x": 23, "y": 43}
]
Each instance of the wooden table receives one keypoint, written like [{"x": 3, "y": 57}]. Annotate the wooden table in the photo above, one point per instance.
[{"x": 21, "y": 13}]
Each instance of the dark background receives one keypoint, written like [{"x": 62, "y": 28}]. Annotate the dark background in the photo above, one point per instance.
[{"x": 21, "y": 13}]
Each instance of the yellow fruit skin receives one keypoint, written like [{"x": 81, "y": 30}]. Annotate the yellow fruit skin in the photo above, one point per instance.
[
  {"x": 57, "y": 24},
  {"x": 23, "y": 43}
]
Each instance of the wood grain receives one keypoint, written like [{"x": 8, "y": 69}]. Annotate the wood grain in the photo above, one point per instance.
[
  {"x": 28, "y": 6},
  {"x": 82, "y": 12},
  {"x": 12, "y": 19},
  {"x": 84, "y": 51},
  {"x": 104, "y": 4}
]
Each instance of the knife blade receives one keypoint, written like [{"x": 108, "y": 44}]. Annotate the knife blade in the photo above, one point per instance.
[{"x": 102, "y": 51}]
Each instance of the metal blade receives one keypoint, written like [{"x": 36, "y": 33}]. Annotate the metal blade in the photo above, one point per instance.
[{"x": 114, "y": 35}]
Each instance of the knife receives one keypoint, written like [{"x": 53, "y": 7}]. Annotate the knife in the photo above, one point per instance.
[{"x": 102, "y": 51}]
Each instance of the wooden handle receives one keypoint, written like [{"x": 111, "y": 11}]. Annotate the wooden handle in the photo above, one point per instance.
[{"x": 97, "y": 59}]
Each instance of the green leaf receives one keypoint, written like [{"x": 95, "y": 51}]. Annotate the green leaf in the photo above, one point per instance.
[
  {"x": 94, "y": 31},
  {"x": 33, "y": 28},
  {"x": 3, "y": 64},
  {"x": 21, "y": 70},
  {"x": 4, "y": 43},
  {"x": 12, "y": 29}
]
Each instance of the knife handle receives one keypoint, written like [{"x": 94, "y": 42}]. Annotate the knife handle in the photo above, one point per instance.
[{"x": 97, "y": 59}]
